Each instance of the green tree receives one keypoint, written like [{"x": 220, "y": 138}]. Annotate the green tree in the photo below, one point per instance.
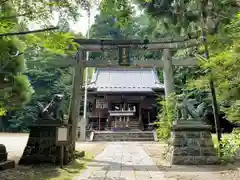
[
  {"x": 15, "y": 87},
  {"x": 46, "y": 81},
  {"x": 15, "y": 18},
  {"x": 224, "y": 66}
]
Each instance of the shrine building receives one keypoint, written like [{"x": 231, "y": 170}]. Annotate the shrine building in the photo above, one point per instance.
[{"x": 123, "y": 99}]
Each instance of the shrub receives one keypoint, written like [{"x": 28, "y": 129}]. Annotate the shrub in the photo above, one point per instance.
[
  {"x": 166, "y": 117},
  {"x": 230, "y": 146}
]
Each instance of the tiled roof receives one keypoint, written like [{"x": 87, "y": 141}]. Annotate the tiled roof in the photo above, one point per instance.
[{"x": 125, "y": 80}]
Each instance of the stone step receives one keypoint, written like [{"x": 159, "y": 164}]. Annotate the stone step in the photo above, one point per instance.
[
  {"x": 123, "y": 133},
  {"x": 130, "y": 139},
  {"x": 101, "y": 136},
  {"x": 133, "y": 123},
  {"x": 123, "y": 136}
]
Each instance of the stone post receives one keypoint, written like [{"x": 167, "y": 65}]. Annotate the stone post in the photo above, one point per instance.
[{"x": 168, "y": 72}]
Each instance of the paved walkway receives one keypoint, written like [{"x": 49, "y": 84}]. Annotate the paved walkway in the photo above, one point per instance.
[{"x": 122, "y": 161}]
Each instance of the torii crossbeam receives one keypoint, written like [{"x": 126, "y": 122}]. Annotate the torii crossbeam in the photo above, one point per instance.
[{"x": 97, "y": 45}]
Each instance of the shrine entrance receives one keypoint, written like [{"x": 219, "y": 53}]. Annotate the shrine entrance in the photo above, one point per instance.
[
  {"x": 126, "y": 59},
  {"x": 122, "y": 114}
]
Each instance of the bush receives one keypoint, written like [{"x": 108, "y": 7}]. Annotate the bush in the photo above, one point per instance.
[
  {"x": 230, "y": 146},
  {"x": 233, "y": 112},
  {"x": 166, "y": 117},
  {"x": 2, "y": 111}
]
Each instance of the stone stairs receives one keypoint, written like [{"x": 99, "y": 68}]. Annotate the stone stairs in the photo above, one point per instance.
[
  {"x": 132, "y": 125},
  {"x": 123, "y": 136}
]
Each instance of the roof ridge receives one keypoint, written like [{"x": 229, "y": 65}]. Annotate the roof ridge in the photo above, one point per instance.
[
  {"x": 125, "y": 79},
  {"x": 125, "y": 69}
]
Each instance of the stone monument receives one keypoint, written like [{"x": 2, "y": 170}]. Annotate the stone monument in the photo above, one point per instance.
[
  {"x": 191, "y": 141},
  {"x": 4, "y": 162},
  {"x": 41, "y": 146}
]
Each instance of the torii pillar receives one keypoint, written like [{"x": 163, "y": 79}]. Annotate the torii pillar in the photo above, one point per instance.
[{"x": 168, "y": 72}]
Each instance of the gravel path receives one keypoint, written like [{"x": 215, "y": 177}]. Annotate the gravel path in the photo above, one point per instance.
[{"x": 122, "y": 161}]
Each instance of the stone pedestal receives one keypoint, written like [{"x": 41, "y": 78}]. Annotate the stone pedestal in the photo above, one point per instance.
[
  {"x": 191, "y": 144},
  {"x": 41, "y": 146}
]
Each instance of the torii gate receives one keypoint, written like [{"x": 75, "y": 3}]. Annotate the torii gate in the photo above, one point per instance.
[{"x": 94, "y": 45}]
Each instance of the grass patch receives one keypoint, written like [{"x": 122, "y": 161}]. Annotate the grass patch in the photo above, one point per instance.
[
  {"x": 47, "y": 172},
  {"x": 73, "y": 169}
]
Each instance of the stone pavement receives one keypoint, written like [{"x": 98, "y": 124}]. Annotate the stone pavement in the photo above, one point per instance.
[{"x": 122, "y": 161}]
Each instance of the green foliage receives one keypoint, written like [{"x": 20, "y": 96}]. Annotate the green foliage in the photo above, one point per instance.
[
  {"x": 233, "y": 112},
  {"x": 230, "y": 146},
  {"x": 166, "y": 117},
  {"x": 224, "y": 66},
  {"x": 15, "y": 88},
  {"x": 17, "y": 16},
  {"x": 46, "y": 81},
  {"x": 121, "y": 10},
  {"x": 184, "y": 16},
  {"x": 106, "y": 26},
  {"x": 2, "y": 112}
]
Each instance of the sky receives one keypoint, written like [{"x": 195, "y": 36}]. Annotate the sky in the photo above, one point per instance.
[{"x": 82, "y": 24}]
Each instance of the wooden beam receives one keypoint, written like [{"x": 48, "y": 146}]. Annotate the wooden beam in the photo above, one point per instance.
[
  {"x": 184, "y": 61},
  {"x": 141, "y": 63},
  {"x": 132, "y": 41},
  {"x": 62, "y": 62},
  {"x": 101, "y": 45},
  {"x": 69, "y": 61}
]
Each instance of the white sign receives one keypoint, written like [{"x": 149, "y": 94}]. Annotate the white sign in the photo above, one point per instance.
[{"x": 62, "y": 134}]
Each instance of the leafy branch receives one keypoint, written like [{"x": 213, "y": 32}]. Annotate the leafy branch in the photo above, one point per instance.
[
  {"x": 19, "y": 15},
  {"x": 28, "y": 32}
]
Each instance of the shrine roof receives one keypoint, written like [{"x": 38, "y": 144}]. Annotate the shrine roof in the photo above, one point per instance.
[{"x": 125, "y": 80}]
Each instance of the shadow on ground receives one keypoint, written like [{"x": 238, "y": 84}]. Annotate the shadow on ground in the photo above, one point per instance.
[{"x": 43, "y": 172}]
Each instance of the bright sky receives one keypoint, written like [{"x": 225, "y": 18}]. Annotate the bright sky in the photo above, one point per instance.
[{"x": 82, "y": 24}]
